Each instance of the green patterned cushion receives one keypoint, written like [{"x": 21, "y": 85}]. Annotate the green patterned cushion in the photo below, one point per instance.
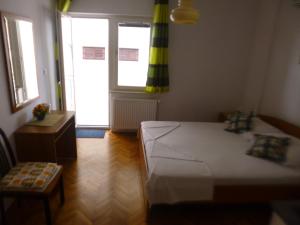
[
  {"x": 239, "y": 122},
  {"x": 270, "y": 147},
  {"x": 29, "y": 176}
]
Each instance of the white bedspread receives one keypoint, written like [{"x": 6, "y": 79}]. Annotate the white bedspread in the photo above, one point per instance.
[
  {"x": 165, "y": 186},
  {"x": 187, "y": 159}
]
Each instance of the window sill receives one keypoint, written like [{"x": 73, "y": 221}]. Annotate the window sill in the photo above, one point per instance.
[
  {"x": 140, "y": 92},
  {"x": 128, "y": 91}
]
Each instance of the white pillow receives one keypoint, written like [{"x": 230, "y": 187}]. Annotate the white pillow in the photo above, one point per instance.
[{"x": 261, "y": 127}]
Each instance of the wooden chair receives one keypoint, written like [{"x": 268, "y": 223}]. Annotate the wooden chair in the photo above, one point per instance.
[{"x": 46, "y": 178}]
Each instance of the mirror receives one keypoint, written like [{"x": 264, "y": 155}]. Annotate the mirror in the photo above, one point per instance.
[{"x": 20, "y": 59}]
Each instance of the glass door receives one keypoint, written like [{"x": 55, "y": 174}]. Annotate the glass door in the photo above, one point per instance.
[{"x": 85, "y": 56}]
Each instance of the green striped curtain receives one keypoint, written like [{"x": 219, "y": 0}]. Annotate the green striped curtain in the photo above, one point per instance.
[
  {"x": 64, "y": 5},
  {"x": 158, "y": 74},
  {"x": 61, "y": 6}
]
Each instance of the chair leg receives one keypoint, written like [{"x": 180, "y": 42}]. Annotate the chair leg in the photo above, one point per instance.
[
  {"x": 47, "y": 211},
  {"x": 2, "y": 210},
  {"x": 62, "y": 190}
]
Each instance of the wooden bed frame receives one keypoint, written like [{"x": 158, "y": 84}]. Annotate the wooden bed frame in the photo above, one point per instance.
[{"x": 229, "y": 194}]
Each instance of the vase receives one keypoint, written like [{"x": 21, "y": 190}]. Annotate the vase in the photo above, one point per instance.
[{"x": 40, "y": 116}]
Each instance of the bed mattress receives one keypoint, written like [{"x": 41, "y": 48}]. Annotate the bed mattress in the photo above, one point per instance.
[{"x": 190, "y": 156}]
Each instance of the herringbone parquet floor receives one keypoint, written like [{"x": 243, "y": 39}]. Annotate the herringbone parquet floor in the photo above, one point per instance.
[{"x": 103, "y": 187}]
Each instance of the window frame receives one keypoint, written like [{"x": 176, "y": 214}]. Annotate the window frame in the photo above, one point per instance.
[
  {"x": 113, "y": 21},
  {"x": 114, "y": 25}
]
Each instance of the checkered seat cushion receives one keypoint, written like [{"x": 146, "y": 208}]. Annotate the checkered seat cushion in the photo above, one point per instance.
[{"x": 30, "y": 176}]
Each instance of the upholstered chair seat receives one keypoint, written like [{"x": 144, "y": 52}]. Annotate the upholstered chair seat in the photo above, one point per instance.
[
  {"x": 27, "y": 179},
  {"x": 29, "y": 176}
]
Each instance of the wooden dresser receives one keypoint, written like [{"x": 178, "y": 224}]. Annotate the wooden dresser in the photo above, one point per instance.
[{"x": 48, "y": 143}]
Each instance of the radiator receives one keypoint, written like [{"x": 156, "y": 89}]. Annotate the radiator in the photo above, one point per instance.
[{"x": 127, "y": 114}]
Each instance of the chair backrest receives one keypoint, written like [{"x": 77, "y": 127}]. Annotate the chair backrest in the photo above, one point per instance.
[{"x": 6, "y": 154}]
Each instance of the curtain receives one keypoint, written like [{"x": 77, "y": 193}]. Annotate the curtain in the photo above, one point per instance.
[
  {"x": 64, "y": 5},
  {"x": 158, "y": 74},
  {"x": 61, "y": 6}
]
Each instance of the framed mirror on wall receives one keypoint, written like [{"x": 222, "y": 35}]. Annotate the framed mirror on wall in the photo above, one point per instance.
[{"x": 18, "y": 42}]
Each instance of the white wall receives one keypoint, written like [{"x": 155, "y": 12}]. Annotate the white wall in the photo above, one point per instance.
[
  {"x": 41, "y": 12},
  {"x": 260, "y": 53},
  {"x": 282, "y": 90},
  {"x": 207, "y": 61},
  {"x": 278, "y": 84},
  {"x": 124, "y": 7}
]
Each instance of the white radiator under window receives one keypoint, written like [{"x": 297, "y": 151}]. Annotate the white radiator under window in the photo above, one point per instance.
[{"x": 127, "y": 114}]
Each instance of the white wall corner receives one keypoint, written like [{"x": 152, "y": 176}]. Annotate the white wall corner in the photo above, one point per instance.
[{"x": 259, "y": 59}]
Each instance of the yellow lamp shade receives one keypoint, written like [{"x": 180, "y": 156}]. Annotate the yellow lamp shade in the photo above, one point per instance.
[{"x": 184, "y": 13}]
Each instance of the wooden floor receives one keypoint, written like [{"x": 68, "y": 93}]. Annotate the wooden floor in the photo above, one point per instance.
[{"x": 104, "y": 187}]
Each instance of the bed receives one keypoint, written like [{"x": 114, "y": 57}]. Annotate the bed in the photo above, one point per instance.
[{"x": 192, "y": 162}]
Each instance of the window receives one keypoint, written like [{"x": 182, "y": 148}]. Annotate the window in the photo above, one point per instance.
[
  {"x": 133, "y": 54},
  {"x": 129, "y": 52}
]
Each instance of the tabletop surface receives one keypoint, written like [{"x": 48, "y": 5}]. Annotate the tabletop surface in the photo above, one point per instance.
[{"x": 67, "y": 115}]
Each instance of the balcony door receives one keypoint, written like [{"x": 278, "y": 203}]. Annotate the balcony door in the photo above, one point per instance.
[{"x": 86, "y": 80}]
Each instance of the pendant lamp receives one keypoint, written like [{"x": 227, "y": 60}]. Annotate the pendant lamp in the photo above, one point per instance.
[{"x": 184, "y": 13}]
